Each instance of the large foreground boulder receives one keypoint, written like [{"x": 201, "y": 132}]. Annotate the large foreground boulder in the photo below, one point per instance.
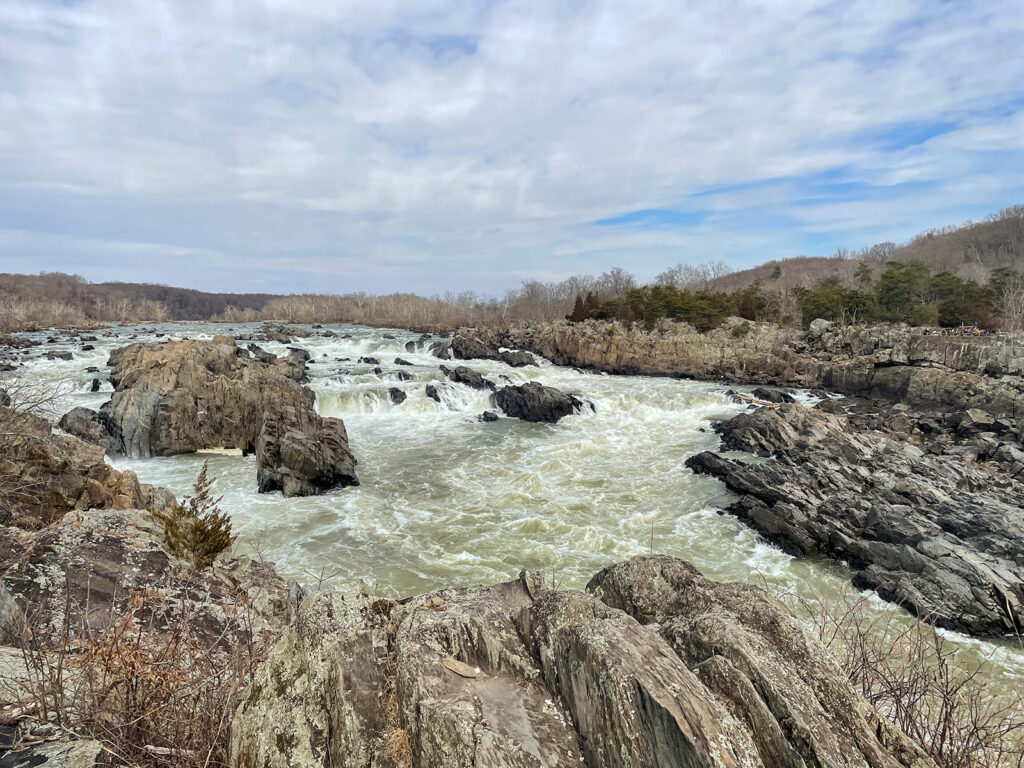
[
  {"x": 44, "y": 475},
  {"x": 179, "y": 397},
  {"x": 657, "y": 667},
  {"x": 934, "y": 533},
  {"x": 535, "y": 402}
]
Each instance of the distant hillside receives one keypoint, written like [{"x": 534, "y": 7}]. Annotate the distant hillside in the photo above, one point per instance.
[
  {"x": 971, "y": 251},
  {"x": 58, "y": 299}
]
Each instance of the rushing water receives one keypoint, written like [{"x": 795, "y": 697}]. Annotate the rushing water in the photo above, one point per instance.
[{"x": 448, "y": 500}]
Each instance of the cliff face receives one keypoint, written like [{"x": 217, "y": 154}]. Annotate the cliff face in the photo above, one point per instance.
[{"x": 886, "y": 362}]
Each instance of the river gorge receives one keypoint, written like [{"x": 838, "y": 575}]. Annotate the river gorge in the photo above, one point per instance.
[{"x": 447, "y": 500}]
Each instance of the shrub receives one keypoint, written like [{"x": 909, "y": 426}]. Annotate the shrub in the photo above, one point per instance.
[
  {"x": 197, "y": 528},
  {"x": 957, "y": 710}
]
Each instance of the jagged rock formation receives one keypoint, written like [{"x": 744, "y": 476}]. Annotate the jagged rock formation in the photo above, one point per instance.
[
  {"x": 927, "y": 526},
  {"x": 103, "y": 566},
  {"x": 179, "y": 397},
  {"x": 535, "y": 402},
  {"x": 890, "y": 362},
  {"x": 44, "y": 475},
  {"x": 656, "y": 667}
]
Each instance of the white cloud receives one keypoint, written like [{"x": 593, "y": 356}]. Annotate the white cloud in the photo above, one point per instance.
[{"x": 461, "y": 144}]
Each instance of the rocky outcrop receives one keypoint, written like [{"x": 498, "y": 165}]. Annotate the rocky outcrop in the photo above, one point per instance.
[
  {"x": 463, "y": 375},
  {"x": 99, "y": 567},
  {"x": 657, "y": 667},
  {"x": 44, "y": 475},
  {"x": 179, "y": 397},
  {"x": 535, "y": 402},
  {"x": 888, "y": 362},
  {"x": 939, "y": 533}
]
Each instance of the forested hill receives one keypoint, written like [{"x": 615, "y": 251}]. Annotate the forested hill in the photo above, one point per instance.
[
  {"x": 123, "y": 300},
  {"x": 971, "y": 251}
]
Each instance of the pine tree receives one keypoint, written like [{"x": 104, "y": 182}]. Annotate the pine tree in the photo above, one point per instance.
[
  {"x": 197, "y": 528},
  {"x": 579, "y": 312}
]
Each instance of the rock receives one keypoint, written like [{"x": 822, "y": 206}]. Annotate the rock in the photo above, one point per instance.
[
  {"x": 397, "y": 396},
  {"x": 772, "y": 395},
  {"x": 58, "y": 355},
  {"x": 88, "y": 347},
  {"x": 58, "y": 473},
  {"x": 330, "y": 335},
  {"x": 95, "y": 386},
  {"x": 517, "y": 359},
  {"x": 410, "y": 346},
  {"x": 465, "y": 348},
  {"x": 369, "y": 360},
  {"x": 55, "y": 754},
  {"x": 520, "y": 675},
  {"x": 404, "y": 376},
  {"x": 400, "y": 361},
  {"x": 926, "y": 531},
  {"x": 974, "y": 420},
  {"x": 388, "y": 336},
  {"x": 179, "y": 397},
  {"x": 819, "y": 327},
  {"x": 488, "y": 416},
  {"x": 535, "y": 402},
  {"x": 260, "y": 354},
  {"x": 98, "y": 567},
  {"x": 467, "y": 376},
  {"x": 85, "y": 424}
]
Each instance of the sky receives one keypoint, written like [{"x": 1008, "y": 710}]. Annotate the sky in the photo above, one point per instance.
[{"x": 436, "y": 145}]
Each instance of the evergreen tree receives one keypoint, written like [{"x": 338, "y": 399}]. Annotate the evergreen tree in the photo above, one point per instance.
[
  {"x": 197, "y": 528},
  {"x": 579, "y": 312}
]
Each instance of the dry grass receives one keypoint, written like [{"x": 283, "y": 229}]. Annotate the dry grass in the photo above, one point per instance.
[{"x": 152, "y": 697}]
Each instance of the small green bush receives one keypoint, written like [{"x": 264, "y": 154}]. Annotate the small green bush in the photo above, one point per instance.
[
  {"x": 197, "y": 528},
  {"x": 740, "y": 330}
]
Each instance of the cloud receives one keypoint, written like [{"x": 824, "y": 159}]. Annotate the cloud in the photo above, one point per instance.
[{"x": 437, "y": 145}]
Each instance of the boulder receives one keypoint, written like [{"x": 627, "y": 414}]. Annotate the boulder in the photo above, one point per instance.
[
  {"x": 369, "y": 360},
  {"x": 517, "y": 674},
  {"x": 516, "y": 358},
  {"x": 973, "y": 421},
  {"x": 397, "y": 396},
  {"x": 467, "y": 376},
  {"x": 465, "y": 348},
  {"x": 535, "y": 402},
  {"x": 401, "y": 361},
  {"x": 179, "y": 397},
  {"x": 488, "y": 416},
  {"x": 86, "y": 424},
  {"x": 772, "y": 395}
]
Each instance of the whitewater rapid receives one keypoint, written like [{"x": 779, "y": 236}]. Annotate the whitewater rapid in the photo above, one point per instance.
[{"x": 446, "y": 500}]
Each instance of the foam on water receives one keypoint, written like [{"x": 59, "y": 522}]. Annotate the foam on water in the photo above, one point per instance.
[{"x": 447, "y": 500}]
